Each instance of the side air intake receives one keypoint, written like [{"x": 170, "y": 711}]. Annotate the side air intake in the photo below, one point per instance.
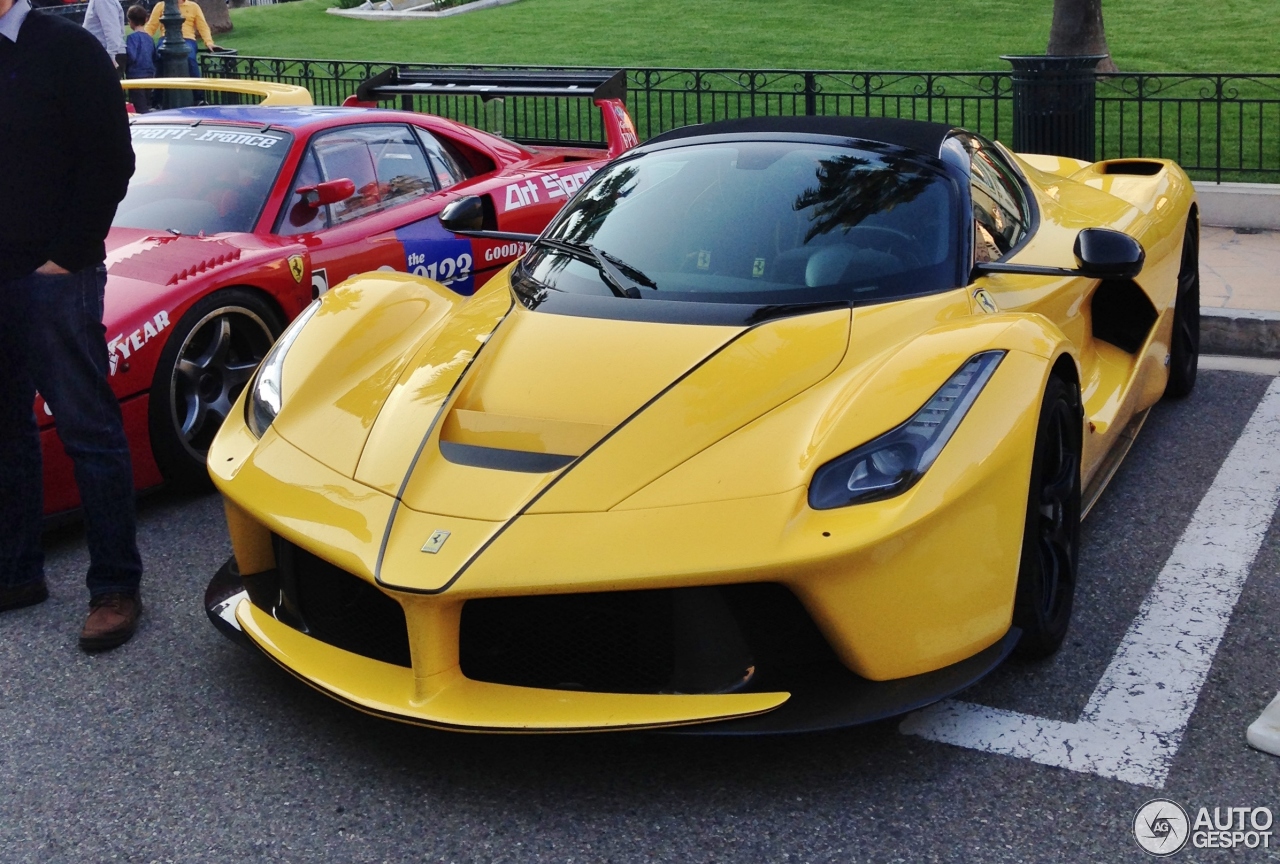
[{"x": 1122, "y": 314}]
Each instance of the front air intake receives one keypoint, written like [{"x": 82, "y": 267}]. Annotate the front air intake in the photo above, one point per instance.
[{"x": 678, "y": 640}]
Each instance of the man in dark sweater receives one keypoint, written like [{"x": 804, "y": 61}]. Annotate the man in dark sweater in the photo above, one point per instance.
[{"x": 65, "y": 163}]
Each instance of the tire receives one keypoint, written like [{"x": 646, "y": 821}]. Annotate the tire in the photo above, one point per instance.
[
  {"x": 1051, "y": 536},
  {"x": 207, "y": 360},
  {"x": 1184, "y": 345}
]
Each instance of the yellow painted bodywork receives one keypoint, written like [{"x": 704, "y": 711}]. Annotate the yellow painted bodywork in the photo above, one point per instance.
[
  {"x": 690, "y": 449},
  {"x": 270, "y": 92},
  {"x": 449, "y": 700}
]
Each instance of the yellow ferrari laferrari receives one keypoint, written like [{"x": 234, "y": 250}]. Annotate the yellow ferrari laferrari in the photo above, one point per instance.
[{"x": 781, "y": 424}]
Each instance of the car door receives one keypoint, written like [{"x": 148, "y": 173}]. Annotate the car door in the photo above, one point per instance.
[
  {"x": 403, "y": 176},
  {"x": 1002, "y": 224}
]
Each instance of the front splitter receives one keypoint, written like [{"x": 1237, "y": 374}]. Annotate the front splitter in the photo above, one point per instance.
[{"x": 822, "y": 698}]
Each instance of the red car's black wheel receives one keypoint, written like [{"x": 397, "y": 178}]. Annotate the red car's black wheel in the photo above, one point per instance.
[
  {"x": 207, "y": 360},
  {"x": 1184, "y": 345},
  {"x": 1051, "y": 538}
]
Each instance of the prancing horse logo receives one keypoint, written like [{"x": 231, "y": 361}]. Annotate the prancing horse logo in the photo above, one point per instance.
[
  {"x": 297, "y": 267},
  {"x": 435, "y": 541}
]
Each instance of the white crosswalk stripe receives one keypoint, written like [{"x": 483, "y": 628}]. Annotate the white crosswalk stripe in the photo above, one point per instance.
[{"x": 1132, "y": 726}]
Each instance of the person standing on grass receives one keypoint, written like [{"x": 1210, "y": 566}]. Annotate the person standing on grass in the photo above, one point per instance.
[
  {"x": 105, "y": 20},
  {"x": 141, "y": 49},
  {"x": 65, "y": 164},
  {"x": 193, "y": 22}
]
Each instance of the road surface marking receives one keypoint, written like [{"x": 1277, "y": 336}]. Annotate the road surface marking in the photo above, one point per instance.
[
  {"x": 1133, "y": 724},
  {"x": 1250, "y": 365}
]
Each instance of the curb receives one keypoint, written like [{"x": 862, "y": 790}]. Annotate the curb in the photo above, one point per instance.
[
  {"x": 1239, "y": 205},
  {"x": 1240, "y": 332}
]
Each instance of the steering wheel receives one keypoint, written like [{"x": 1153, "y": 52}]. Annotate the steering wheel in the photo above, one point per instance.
[{"x": 900, "y": 244}]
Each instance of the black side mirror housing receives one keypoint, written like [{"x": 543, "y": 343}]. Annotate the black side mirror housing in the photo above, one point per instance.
[
  {"x": 1101, "y": 253},
  {"x": 465, "y": 214},
  {"x": 1106, "y": 254}
]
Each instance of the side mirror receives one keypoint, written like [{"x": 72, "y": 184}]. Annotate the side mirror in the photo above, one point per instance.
[
  {"x": 1101, "y": 253},
  {"x": 465, "y": 214},
  {"x": 328, "y": 192},
  {"x": 1106, "y": 254}
]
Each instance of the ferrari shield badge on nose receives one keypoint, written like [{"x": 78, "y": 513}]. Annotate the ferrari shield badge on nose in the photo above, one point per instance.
[
  {"x": 296, "y": 267},
  {"x": 435, "y": 541}
]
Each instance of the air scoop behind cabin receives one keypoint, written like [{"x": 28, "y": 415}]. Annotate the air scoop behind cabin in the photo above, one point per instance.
[{"x": 781, "y": 424}]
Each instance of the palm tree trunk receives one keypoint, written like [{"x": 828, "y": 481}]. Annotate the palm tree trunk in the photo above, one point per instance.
[
  {"x": 215, "y": 12},
  {"x": 1077, "y": 29}
]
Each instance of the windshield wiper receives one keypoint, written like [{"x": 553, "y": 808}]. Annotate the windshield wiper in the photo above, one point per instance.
[{"x": 613, "y": 270}]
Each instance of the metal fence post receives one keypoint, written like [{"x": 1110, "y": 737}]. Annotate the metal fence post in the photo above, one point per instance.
[
  {"x": 810, "y": 94},
  {"x": 1054, "y": 105}
]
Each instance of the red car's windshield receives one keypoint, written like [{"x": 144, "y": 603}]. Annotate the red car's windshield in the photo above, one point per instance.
[{"x": 211, "y": 178}]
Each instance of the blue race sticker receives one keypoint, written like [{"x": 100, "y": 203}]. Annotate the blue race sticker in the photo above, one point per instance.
[{"x": 435, "y": 253}]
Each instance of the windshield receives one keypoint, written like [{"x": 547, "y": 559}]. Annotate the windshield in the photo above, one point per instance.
[
  {"x": 756, "y": 222},
  {"x": 200, "y": 178}
]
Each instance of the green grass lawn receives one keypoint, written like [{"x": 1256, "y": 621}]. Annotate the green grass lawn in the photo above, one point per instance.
[{"x": 1145, "y": 35}]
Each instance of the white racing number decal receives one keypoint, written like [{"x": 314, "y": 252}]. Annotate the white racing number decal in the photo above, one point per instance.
[
  {"x": 434, "y": 253},
  {"x": 444, "y": 270},
  {"x": 123, "y": 346},
  {"x": 319, "y": 282},
  {"x": 552, "y": 186}
]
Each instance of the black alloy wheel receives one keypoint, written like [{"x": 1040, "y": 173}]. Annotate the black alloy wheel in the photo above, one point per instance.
[
  {"x": 1051, "y": 537},
  {"x": 1184, "y": 344},
  {"x": 207, "y": 360}
]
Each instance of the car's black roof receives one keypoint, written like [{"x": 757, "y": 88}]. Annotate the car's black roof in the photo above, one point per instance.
[{"x": 919, "y": 135}]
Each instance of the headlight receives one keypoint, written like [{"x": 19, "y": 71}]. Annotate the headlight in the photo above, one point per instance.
[
  {"x": 892, "y": 463},
  {"x": 265, "y": 390}
]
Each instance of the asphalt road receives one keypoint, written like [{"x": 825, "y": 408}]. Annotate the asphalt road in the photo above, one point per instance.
[{"x": 183, "y": 747}]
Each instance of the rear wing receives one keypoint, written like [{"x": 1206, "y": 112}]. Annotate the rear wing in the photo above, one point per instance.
[
  {"x": 270, "y": 92},
  {"x": 608, "y": 90}
]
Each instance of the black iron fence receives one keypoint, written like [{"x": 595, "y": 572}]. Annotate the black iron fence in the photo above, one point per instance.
[
  {"x": 75, "y": 11},
  {"x": 1218, "y": 126}
]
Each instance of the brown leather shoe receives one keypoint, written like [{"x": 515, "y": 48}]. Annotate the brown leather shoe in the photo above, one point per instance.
[
  {"x": 17, "y": 596},
  {"x": 112, "y": 620}
]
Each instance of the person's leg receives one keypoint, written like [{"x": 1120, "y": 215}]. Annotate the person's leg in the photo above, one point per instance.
[
  {"x": 193, "y": 65},
  {"x": 70, "y": 370},
  {"x": 141, "y": 101},
  {"x": 21, "y": 484}
]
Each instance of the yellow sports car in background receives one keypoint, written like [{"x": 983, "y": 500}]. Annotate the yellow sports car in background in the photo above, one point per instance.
[{"x": 781, "y": 424}]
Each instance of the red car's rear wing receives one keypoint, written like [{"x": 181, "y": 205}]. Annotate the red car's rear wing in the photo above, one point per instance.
[{"x": 607, "y": 89}]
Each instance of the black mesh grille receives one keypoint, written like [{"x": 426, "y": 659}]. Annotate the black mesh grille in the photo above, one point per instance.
[
  {"x": 340, "y": 609},
  {"x": 617, "y": 642},
  {"x": 624, "y": 641}
]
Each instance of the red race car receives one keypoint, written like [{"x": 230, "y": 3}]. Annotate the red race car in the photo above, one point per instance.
[{"x": 237, "y": 216}]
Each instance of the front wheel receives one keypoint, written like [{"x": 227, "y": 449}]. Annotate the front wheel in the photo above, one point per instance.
[
  {"x": 1184, "y": 346},
  {"x": 1051, "y": 537},
  {"x": 207, "y": 360}
]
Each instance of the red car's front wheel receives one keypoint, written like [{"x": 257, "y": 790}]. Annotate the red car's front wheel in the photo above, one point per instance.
[{"x": 208, "y": 359}]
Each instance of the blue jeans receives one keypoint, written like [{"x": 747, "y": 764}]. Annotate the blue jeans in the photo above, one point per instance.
[
  {"x": 52, "y": 340},
  {"x": 193, "y": 65}
]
